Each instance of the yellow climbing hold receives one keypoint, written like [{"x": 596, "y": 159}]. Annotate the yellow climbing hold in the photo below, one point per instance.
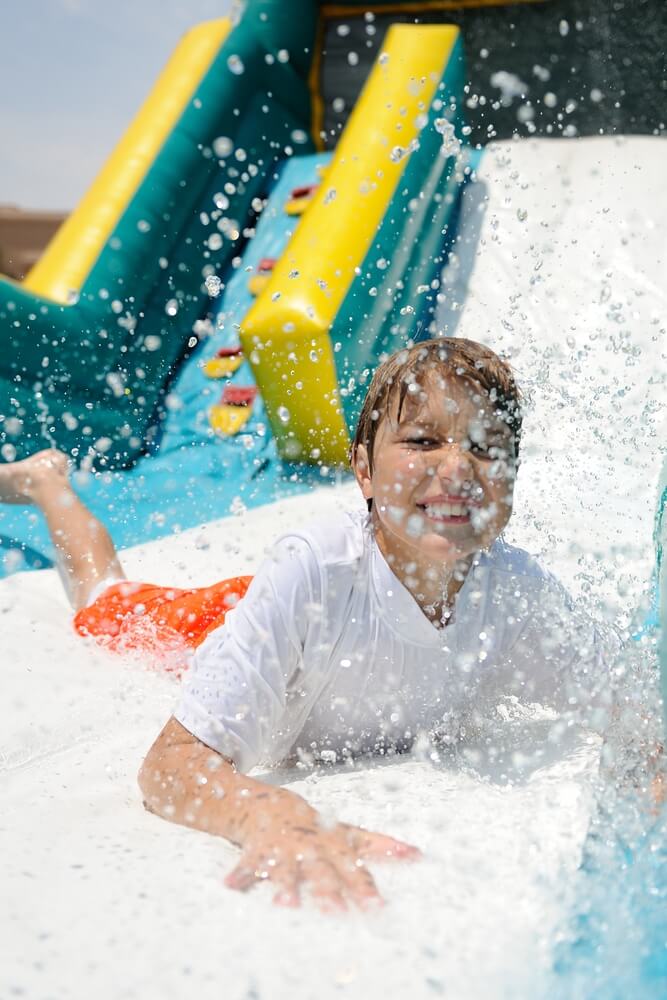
[
  {"x": 222, "y": 367},
  {"x": 229, "y": 420}
]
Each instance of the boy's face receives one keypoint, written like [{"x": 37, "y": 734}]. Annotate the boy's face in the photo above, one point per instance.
[{"x": 443, "y": 476}]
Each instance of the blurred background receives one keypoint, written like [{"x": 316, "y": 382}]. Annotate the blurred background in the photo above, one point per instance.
[{"x": 56, "y": 132}]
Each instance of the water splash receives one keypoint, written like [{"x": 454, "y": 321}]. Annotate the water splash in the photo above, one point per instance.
[
  {"x": 213, "y": 285},
  {"x": 509, "y": 85},
  {"x": 399, "y": 153},
  {"x": 451, "y": 145}
]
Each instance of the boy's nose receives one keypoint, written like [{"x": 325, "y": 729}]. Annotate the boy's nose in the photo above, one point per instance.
[{"x": 453, "y": 464}]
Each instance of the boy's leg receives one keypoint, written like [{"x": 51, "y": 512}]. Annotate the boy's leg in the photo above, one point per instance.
[{"x": 85, "y": 552}]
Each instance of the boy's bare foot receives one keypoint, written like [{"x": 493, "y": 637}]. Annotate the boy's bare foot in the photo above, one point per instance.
[{"x": 27, "y": 481}]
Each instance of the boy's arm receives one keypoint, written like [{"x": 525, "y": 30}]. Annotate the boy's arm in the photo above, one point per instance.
[{"x": 283, "y": 839}]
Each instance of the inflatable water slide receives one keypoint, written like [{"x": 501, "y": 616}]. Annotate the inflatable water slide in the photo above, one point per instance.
[
  {"x": 276, "y": 217},
  {"x": 234, "y": 221}
]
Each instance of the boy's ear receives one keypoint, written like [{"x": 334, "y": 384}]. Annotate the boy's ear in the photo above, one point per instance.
[{"x": 362, "y": 474}]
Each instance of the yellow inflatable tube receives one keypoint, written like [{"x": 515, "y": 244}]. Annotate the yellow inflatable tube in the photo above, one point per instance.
[
  {"x": 285, "y": 333},
  {"x": 78, "y": 243}
]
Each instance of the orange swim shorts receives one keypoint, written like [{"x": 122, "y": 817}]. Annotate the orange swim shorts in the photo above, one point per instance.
[{"x": 135, "y": 616}]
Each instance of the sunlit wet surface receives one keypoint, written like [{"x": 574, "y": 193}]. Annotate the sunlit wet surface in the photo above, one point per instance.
[{"x": 501, "y": 824}]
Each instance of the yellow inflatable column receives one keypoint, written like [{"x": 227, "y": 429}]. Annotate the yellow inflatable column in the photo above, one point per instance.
[{"x": 285, "y": 334}]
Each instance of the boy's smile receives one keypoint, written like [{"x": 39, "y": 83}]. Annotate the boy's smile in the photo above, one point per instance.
[{"x": 441, "y": 483}]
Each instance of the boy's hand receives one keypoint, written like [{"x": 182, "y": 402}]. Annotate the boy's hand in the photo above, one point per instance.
[
  {"x": 286, "y": 842},
  {"x": 283, "y": 839}
]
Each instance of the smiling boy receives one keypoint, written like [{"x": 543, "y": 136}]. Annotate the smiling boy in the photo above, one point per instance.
[{"x": 359, "y": 634}]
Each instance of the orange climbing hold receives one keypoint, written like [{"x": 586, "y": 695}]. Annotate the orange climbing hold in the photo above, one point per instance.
[
  {"x": 259, "y": 281},
  {"x": 300, "y": 199},
  {"x": 234, "y": 409}
]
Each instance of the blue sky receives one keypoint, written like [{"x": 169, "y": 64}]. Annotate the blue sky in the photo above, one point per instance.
[{"x": 72, "y": 74}]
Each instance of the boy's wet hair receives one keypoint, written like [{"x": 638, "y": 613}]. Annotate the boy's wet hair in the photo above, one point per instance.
[{"x": 446, "y": 357}]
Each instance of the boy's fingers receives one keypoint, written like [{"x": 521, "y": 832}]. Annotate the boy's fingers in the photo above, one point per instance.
[
  {"x": 288, "y": 891},
  {"x": 326, "y": 885},
  {"x": 361, "y": 885},
  {"x": 378, "y": 846},
  {"x": 244, "y": 876}
]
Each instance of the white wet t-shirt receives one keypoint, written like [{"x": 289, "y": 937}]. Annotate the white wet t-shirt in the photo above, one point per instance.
[{"x": 328, "y": 654}]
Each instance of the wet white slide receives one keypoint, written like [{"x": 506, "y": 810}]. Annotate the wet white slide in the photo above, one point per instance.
[{"x": 101, "y": 899}]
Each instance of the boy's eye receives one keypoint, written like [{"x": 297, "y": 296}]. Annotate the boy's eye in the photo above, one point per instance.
[
  {"x": 424, "y": 442},
  {"x": 490, "y": 451}
]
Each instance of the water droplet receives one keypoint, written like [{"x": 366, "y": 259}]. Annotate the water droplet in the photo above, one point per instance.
[
  {"x": 338, "y": 104},
  {"x": 397, "y": 154},
  {"x": 294, "y": 274},
  {"x": 521, "y": 214},
  {"x": 213, "y": 285},
  {"x": 383, "y": 58},
  {"x": 314, "y": 356},
  {"x": 550, "y": 100},
  {"x": 283, "y": 415},
  {"x": 353, "y": 59},
  {"x": 103, "y": 445},
  {"x": 299, "y": 136},
  {"x": 143, "y": 226},
  {"x": 214, "y": 242},
  {"x": 450, "y": 144},
  {"x": 72, "y": 297},
  {"x": 330, "y": 196},
  {"x": 343, "y": 30},
  {"x": 283, "y": 56},
  {"x": 509, "y": 85},
  {"x": 235, "y": 65},
  {"x": 171, "y": 308},
  {"x": 237, "y": 506},
  {"x": 116, "y": 381},
  {"x": 275, "y": 296},
  {"x": 222, "y": 147},
  {"x": 563, "y": 27},
  {"x": 152, "y": 342}
]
